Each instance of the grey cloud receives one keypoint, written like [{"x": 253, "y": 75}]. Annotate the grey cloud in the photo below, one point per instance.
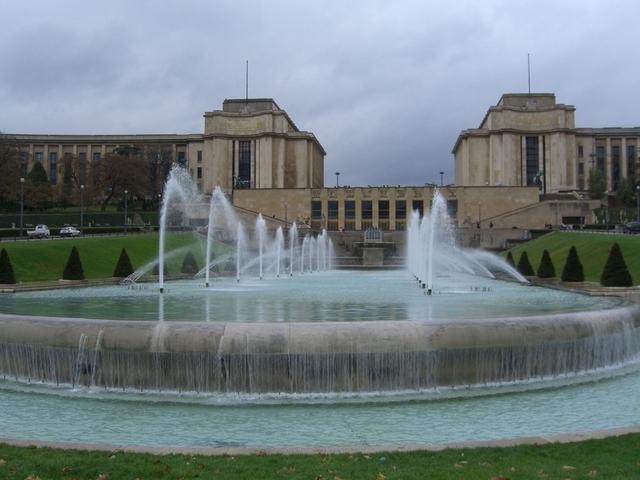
[{"x": 385, "y": 86}]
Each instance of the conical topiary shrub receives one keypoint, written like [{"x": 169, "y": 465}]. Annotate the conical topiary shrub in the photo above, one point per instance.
[
  {"x": 546, "y": 269},
  {"x": 73, "y": 270},
  {"x": 615, "y": 273},
  {"x": 524, "y": 266},
  {"x": 510, "y": 259},
  {"x": 123, "y": 267},
  {"x": 156, "y": 269},
  {"x": 189, "y": 264},
  {"x": 573, "y": 271},
  {"x": 6, "y": 269}
]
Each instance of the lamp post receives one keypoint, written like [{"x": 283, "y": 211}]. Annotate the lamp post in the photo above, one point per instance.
[
  {"x": 126, "y": 192},
  {"x": 337, "y": 179},
  {"x": 81, "y": 207},
  {"x": 21, "y": 203},
  {"x": 638, "y": 203},
  {"x": 442, "y": 179}
]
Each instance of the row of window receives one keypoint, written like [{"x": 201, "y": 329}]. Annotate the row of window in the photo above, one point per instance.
[
  {"x": 366, "y": 209},
  {"x": 82, "y": 160}
]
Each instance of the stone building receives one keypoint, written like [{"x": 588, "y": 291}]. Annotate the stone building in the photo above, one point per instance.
[
  {"x": 509, "y": 172},
  {"x": 530, "y": 140},
  {"x": 250, "y": 143}
]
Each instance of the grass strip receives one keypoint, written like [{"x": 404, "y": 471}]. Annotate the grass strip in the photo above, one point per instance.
[
  {"x": 43, "y": 260},
  {"x": 610, "y": 458},
  {"x": 593, "y": 250}
]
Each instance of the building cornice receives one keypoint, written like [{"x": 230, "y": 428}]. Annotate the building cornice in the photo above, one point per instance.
[
  {"x": 104, "y": 138},
  {"x": 511, "y": 108},
  {"x": 297, "y": 135}
]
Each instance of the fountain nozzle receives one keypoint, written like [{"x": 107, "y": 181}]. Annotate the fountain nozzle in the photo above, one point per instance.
[{"x": 429, "y": 291}]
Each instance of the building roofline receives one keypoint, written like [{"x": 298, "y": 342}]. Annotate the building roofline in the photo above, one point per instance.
[{"x": 107, "y": 137}]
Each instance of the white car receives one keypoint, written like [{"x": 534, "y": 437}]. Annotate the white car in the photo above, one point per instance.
[
  {"x": 69, "y": 231},
  {"x": 41, "y": 231}
]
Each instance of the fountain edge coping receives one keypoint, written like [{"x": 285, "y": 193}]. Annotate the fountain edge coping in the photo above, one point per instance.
[{"x": 569, "y": 437}]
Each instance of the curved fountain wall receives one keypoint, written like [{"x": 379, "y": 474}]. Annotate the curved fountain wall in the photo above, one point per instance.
[{"x": 296, "y": 358}]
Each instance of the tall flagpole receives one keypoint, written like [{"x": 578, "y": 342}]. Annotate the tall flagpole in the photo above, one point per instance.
[
  {"x": 246, "y": 91},
  {"x": 529, "y": 72}
]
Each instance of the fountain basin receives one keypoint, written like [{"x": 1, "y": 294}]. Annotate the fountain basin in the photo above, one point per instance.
[{"x": 315, "y": 358}]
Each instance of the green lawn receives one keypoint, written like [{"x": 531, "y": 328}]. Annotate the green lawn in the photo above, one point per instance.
[
  {"x": 39, "y": 260},
  {"x": 593, "y": 250},
  {"x": 611, "y": 458}
]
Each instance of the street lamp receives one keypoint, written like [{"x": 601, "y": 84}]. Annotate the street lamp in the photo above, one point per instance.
[
  {"x": 21, "y": 203},
  {"x": 125, "y": 211},
  {"x": 442, "y": 179},
  {"x": 638, "y": 203},
  {"x": 81, "y": 206},
  {"x": 337, "y": 179}
]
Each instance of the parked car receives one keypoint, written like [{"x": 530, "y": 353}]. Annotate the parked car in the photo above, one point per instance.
[
  {"x": 69, "y": 231},
  {"x": 631, "y": 227},
  {"x": 41, "y": 231}
]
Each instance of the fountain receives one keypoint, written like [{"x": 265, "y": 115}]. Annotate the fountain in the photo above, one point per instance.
[{"x": 255, "y": 335}]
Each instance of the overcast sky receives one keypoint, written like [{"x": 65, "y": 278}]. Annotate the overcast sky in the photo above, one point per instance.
[{"x": 385, "y": 86}]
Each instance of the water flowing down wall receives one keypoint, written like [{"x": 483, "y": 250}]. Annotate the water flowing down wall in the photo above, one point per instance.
[{"x": 298, "y": 358}]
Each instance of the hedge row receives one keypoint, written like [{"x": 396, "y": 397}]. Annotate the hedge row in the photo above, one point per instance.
[{"x": 614, "y": 274}]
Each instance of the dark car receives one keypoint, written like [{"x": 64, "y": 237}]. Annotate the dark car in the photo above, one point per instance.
[{"x": 631, "y": 227}]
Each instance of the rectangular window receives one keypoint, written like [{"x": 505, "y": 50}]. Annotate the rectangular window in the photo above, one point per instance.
[
  {"x": 53, "y": 167},
  {"x": 332, "y": 209},
  {"x": 600, "y": 161},
  {"x": 182, "y": 158},
  {"x": 417, "y": 205},
  {"x": 350, "y": 209},
  {"x": 383, "y": 209},
  {"x": 244, "y": 164},
  {"x": 316, "y": 209},
  {"x": 531, "y": 159},
  {"x": 367, "y": 209},
  {"x": 82, "y": 166},
  {"x": 401, "y": 210},
  {"x": 24, "y": 162},
  {"x": 199, "y": 156},
  {"x": 580, "y": 151},
  {"x": 452, "y": 208},
  {"x": 199, "y": 172},
  {"x": 96, "y": 156},
  {"x": 615, "y": 166},
  {"x": 631, "y": 163},
  {"x": 38, "y": 157}
]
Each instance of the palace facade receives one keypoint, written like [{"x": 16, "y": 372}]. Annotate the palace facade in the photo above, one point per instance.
[
  {"x": 530, "y": 140},
  {"x": 524, "y": 167}
]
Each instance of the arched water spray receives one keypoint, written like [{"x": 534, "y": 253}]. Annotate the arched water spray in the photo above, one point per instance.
[
  {"x": 210, "y": 227},
  {"x": 180, "y": 187},
  {"x": 293, "y": 245},
  {"x": 279, "y": 245},
  {"x": 239, "y": 244},
  {"x": 305, "y": 243},
  {"x": 261, "y": 228},
  {"x": 431, "y": 247}
]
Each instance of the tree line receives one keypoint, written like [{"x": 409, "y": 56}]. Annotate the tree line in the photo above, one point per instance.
[{"x": 141, "y": 170}]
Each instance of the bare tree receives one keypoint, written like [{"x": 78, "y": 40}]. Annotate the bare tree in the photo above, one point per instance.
[
  {"x": 9, "y": 172},
  {"x": 123, "y": 169}
]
